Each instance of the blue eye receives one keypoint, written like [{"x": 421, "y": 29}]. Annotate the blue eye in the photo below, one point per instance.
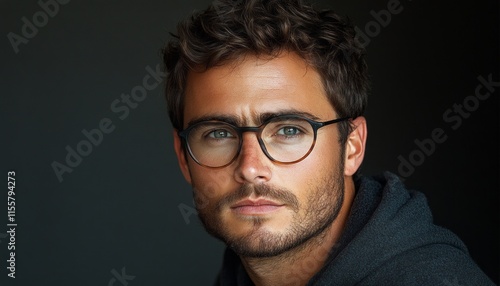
[
  {"x": 220, "y": 134},
  {"x": 288, "y": 131}
]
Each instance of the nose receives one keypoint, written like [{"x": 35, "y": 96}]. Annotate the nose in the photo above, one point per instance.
[{"x": 253, "y": 165}]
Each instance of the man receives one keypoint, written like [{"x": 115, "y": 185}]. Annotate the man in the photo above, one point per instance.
[{"x": 267, "y": 102}]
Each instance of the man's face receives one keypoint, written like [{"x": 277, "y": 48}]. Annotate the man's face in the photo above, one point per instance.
[{"x": 259, "y": 207}]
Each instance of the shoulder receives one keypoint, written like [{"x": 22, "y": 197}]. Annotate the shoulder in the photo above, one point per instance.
[{"x": 390, "y": 239}]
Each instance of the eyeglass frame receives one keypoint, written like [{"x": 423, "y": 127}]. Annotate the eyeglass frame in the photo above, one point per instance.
[{"x": 183, "y": 134}]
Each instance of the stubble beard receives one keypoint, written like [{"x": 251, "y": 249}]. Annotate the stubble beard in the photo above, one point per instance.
[{"x": 320, "y": 210}]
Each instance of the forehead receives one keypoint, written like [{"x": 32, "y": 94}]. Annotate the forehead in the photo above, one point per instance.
[{"x": 246, "y": 88}]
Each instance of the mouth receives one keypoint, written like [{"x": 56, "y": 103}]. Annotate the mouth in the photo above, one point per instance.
[{"x": 256, "y": 207}]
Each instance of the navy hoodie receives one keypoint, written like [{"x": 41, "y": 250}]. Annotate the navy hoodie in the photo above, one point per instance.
[{"x": 389, "y": 239}]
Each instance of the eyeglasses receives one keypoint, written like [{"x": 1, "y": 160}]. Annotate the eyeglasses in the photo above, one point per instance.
[{"x": 284, "y": 139}]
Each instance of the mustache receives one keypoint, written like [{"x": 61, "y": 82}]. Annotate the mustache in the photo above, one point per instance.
[{"x": 278, "y": 194}]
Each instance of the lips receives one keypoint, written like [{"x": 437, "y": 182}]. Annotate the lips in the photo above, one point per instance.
[{"x": 256, "y": 207}]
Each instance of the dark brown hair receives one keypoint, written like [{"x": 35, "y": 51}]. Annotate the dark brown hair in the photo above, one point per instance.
[{"x": 228, "y": 30}]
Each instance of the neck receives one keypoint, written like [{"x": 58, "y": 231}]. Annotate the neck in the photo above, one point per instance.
[{"x": 297, "y": 266}]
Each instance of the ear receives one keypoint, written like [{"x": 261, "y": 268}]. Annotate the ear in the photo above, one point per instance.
[
  {"x": 181, "y": 157},
  {"x": 355, "y": 146}
]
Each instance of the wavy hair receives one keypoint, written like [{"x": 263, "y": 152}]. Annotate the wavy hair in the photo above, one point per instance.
[{"x": 228, "y": 30}]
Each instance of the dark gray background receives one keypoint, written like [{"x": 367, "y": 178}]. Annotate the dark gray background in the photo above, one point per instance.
[{"x": 119, "y": 207}]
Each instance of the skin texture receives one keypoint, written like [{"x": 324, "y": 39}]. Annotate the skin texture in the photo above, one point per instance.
[{"x": 310, "y": 200}]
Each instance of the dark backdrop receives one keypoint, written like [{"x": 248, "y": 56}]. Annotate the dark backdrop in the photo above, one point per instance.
[{"x": 118, "y": 212}]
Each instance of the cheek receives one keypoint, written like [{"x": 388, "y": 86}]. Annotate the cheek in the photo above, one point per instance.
[
  {"x": 326, "y": 152},
  {"x": 323, "y": 159},
  {"x": 311, "y": 173},
  {"x": 210, "y": 185}
]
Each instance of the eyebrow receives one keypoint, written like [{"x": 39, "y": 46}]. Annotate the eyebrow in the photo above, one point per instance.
[
  {"x": 260, "y": 118},
  {"x": 234, "y": 120},
  {"x": 263, "y": 117}
]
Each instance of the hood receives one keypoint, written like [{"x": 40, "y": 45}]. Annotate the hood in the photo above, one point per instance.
[{"x": 390, "y": 239}]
